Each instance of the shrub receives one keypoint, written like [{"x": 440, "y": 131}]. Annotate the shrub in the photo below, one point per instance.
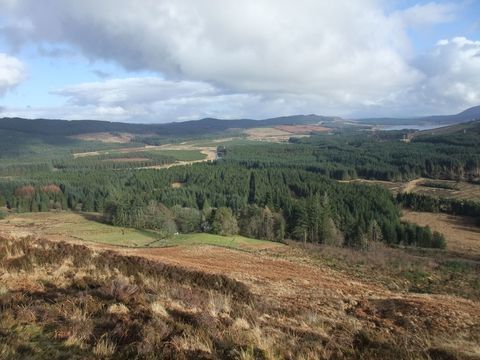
[
  {"x": 438, "y": 240},
  {"x": 154, "y": 216},
  {"x": 223, "y": 222},
  {"x": 187, "y": 219}
]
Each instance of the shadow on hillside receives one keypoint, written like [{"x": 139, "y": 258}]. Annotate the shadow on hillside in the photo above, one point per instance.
[
  {"x": 93, "y": 217},
  {"x": 464, "y": 223}
]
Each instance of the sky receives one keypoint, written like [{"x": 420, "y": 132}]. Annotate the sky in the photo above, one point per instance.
[{"x": 174, "y": 60}]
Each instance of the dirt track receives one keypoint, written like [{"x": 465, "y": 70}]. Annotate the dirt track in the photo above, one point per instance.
[
  {"x": 209, "y": 151},
  {"x": 409, "y": 186}
]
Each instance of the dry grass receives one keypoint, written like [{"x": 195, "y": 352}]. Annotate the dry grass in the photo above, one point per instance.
[
  {"x": 394, "y": 187},
  {"x": 61, "y": 300},
  {"x": 177, "y": 185},
  {"x": 106, "y": 137},
  {"x": 118, "y": 309},
  {"x": 302, "y": 129},
  {"x": 461, "y": 232},
  {"x": 460, "y": 190},
  {"x": 270, "y": 134},
  {"x": 403, "y": 270},
  {"x": 104, "y": 348}
]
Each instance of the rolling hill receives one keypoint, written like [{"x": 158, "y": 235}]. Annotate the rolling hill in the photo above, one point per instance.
[
  {"x": 470, "y": 114},
  {"x": 212, "y": 125},
  {"x": 194, "y": 127}
]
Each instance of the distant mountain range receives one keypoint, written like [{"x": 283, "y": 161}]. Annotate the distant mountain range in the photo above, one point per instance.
[
  {"x": 470, "y": 114},
  {"x": 211, "y": 125},
  {"x": 195, "y": 127}
]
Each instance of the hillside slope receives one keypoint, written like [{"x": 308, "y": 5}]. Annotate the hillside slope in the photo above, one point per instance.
[
  {"x": 470, "y": 114},
  {"x": 196, "y": 127},
  {"x": 69, "y": 300}
]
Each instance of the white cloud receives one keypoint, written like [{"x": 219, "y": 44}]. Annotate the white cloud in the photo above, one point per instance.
[
  {"x": 450, "y": 83},
  {"x": 142, "y": 90},
  {"x": 347, "y": 51},
  {"x": 12, "y": 72},
  {"x": 252, "y": 58},
  {"x": 452, "y": 72},
  {"x": 151, "y": 99},
  {"x": 428, "y": 14}
]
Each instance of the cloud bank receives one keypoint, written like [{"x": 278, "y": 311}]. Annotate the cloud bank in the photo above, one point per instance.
[
  {"x": 452, "y": 72},
  {"x": 242, "y": 59}
]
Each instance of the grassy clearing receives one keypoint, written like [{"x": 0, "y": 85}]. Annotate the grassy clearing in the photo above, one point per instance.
[
  {"x": 78, "y": 226},
  {"x": 225, "y": 142},
  {"x": 177, "y": 154},
  {"x": 461, "y": 232},
  {"x": 183, "y": 155},
  {"x": 235, "y": 241},
  {"x": 394, "y": 187},
  {"x": 84, "y": 227},
  {"x": 270, "y": 134},
  {"x": 459, "y": 190}
]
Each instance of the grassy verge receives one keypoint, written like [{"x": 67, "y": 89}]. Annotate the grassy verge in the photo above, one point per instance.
[{"x": 235, "y": 241}]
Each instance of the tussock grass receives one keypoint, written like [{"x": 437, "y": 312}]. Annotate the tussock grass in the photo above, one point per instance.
[
  {"x": 60, "y": 300},
  {"x": 408, "y": 270}
]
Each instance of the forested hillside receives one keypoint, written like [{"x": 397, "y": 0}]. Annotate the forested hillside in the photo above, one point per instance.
[
  {"x": 469, "y": 114},
  {"x": 385, "y": 156},
  {"x": 263, "y": 190},
  {"x": 220, "y": 197},
  {"x": 179, "y": 129}
]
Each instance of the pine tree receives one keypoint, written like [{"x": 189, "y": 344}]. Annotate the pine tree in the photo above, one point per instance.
[{"x": 252, "y": 189}]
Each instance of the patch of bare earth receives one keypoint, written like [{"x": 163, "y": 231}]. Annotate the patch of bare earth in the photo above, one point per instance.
[
  {"x": 270, "y": 134},
  {"x": 409, "y": 186},
  {"x": 176, "y": 185},
  {"x": 394, "y": 187},
  {"x": 302, "y": 129},
  {"x": 106, "y": 137}
]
